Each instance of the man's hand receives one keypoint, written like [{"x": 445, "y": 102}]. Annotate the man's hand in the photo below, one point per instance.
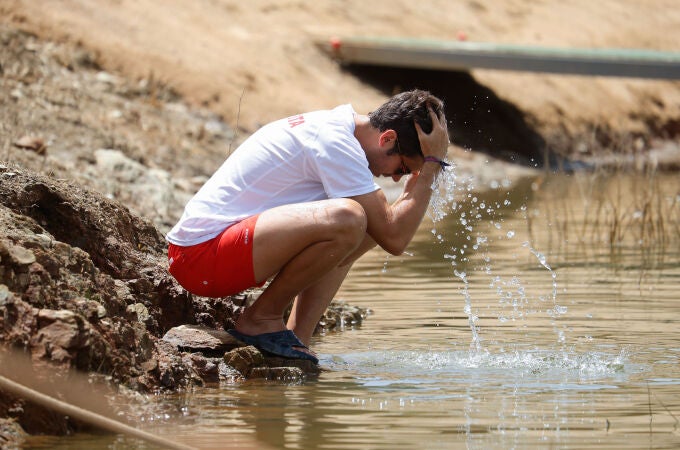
[{"x": 437, "y": 141}]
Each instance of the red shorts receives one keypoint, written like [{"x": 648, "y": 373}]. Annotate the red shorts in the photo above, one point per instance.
[{"x": 219, "y": 267}]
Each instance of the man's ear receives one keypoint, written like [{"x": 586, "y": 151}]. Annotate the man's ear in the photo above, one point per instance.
[{"x": 386, "y": 137}]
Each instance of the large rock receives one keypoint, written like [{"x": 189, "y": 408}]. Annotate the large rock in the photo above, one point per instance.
[
  {"x": 196, "y": 338},
  {"x": 251, "y": 363}
]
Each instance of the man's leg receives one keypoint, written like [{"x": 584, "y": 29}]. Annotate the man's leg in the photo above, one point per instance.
[
  {"x": 311, "y": 303},
  {"x": 301, "y": 244}
]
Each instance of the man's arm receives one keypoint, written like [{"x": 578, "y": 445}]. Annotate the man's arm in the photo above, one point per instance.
[{"x": 393, "y": 226}]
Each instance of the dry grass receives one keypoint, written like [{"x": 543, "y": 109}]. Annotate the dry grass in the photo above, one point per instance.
[{"x": 618, "y": 207}]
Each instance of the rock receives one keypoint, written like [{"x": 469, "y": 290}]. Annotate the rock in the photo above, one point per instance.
[
  {"x": 228, "y": 373},
  {"x": 150, "y": 365},
  {"x": 340, "y": 316},
  {"x": 59, "y": 333},
  {"x": 304, "y": 365},
  {"x": 33, "y": 143},
  {"x": 172, "y": 372},
  {"x": 11, "y": 434},
  {"x": 93, "y": 311},
  {"x": 4, "y": 294},
  {"x": 48, "y": 316},
  {"x": 98, "y": 250},
  {"x": 21, "y": 256},
  {"x": 56, "y": 339},
  {"x": 106, "y": 78},
  {"x": 140, "y": 311},
  {"x": 251, "y": 363},
  {"x": 199, "y": 338},
  {"x": 207, "y": 368},
  {"x": 244, "y": 359}
]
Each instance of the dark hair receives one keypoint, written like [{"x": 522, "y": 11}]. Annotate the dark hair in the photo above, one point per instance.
[{"x": 399, "y": 113}]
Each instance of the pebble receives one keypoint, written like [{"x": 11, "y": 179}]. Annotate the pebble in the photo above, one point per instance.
[{"x": 33, "y": 143}]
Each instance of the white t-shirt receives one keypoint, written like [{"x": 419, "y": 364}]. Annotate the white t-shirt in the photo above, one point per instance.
[{"x": 312, "y": 156}]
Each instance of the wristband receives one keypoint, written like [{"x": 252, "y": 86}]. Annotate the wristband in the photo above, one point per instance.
[{"x": 434, "y": 159}]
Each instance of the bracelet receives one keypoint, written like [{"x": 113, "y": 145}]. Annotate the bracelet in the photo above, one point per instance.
[{"x": 434, "y": 159}]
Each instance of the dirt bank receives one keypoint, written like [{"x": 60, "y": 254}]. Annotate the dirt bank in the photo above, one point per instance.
[{"x": 251, "y": 63}]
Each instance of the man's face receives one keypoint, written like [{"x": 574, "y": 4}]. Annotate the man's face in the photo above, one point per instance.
[{"x": 404, "y": 165}]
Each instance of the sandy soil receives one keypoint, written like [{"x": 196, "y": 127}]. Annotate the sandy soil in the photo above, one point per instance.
[{"x": 255, "y": 61}]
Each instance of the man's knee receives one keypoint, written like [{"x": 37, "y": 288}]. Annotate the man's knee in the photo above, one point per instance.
[
  {"x": 350, "y": 216},
  {"x": 353, "y": 213}
]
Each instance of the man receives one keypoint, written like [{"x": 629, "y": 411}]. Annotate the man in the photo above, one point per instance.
[{"x": 297, "y": 202}]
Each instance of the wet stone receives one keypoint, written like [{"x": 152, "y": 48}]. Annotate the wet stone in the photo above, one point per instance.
[
  {"x": 251, "y": 363},
  {"x": 61, "y": 336},
  {"x": 244, "y": 359},
  {"x": 207, "y": 368},
  {"x": 288, "y": 374},
  {"x": 228, "y": 373},
  {"x": 306, "y": 366}
]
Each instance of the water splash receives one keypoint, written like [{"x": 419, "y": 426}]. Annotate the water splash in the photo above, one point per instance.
[
  {"x": 543, "y": 261},
  {"x": 518, "y": 364},
  {"x": 384, "y": 268},
  {"x": 557, "y": 310},
  {"x": 512, "y": 293},
  {"x": 472, "y": 317},
  {"x": 443, "y": 194}
]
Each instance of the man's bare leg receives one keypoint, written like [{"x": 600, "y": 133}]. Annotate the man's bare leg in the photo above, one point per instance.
[
  {"x": 301, "y": 244},
  {"x": 311, "y": 303}
]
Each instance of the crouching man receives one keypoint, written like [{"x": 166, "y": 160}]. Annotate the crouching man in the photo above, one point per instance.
[{"x": 297, "y": 201}]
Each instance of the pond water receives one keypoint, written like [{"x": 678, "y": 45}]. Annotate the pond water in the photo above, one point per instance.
[{"x": 538, "y": 313}]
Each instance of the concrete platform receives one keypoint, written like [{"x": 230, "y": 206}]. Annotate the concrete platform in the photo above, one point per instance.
[{"x": 464, "y": 56}]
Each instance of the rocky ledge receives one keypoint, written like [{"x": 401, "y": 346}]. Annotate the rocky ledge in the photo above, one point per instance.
[{"x": 84, "y": 285}]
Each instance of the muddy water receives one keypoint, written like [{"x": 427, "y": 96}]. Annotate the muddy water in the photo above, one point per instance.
[{"x": 543, "y": 313}]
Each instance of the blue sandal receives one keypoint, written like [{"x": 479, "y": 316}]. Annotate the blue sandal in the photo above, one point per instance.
[{"x": 279, "y": 343}]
